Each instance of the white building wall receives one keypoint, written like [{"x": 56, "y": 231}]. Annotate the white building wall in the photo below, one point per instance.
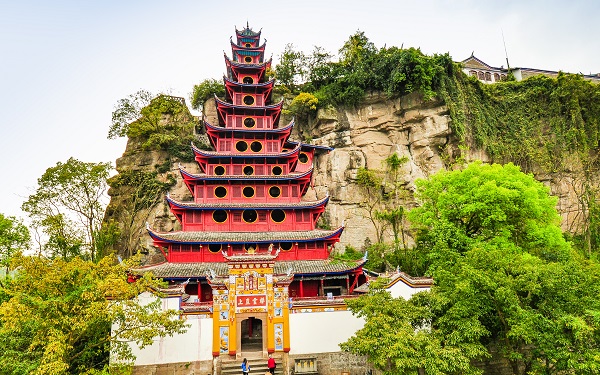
[
  {"x": 321, "y": 332},
  {"x": 401, "y": 289},
  {"x": 193, "y": 345}
]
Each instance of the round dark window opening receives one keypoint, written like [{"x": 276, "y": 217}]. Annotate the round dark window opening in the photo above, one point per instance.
[
  {"x": 220, "y": 192},
  {"x": 277, "y": 170},
  {"x": 248, "y": 191},
  {"x": 219, "y": 170},
  {"x": 248, "y": 170},
  {"x": 248, "y": 80},
  {"x": 303, "y": 158},
  {"x": 277, "y": 216},
  {"x": 286, "y": 246},
  {"x": 241, "y": 146},
  {"x": 256, "y": 146},
  {"x": 250, "y": 216},
  {"x": 248, "y": 59},
  {"x": 275, "y": 191},
  {"x": 249, "y": 122},
  {"x": 248, "y": 100},
  {"x": 214, "y": 247},
  {"x": 219, "y": 216}
]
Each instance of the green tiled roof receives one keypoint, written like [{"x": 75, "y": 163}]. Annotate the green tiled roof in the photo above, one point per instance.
[
  {"x": 200, "y": 270},
  {"x": 244, "y": 237}
]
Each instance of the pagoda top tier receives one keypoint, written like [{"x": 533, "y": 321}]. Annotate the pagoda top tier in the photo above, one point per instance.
[{"x": 247, "y": 35}]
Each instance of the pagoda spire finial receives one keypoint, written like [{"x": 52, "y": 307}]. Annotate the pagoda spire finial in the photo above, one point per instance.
[{"x": 247, "y": 25}]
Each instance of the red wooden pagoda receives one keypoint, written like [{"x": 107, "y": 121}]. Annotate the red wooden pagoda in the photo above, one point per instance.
[{"x": 248, "y": 231}]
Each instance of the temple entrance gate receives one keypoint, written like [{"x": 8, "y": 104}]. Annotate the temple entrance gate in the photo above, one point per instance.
[{"x": 251, "y": 336}]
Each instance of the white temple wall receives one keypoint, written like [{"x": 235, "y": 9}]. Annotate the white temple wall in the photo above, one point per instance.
[
  {"x": 193, "y": 345},
  {"x": 321, "y": 332},
  {"x": 401, "y": 289}
]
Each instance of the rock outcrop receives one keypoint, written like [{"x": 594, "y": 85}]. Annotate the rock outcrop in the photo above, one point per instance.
[{"x": 418, "y": 130}]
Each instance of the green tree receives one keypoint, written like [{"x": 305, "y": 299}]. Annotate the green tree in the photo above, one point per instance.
[
  {"x": 14, "y": 238},
  {"x": 127, "y": 111},
  {"x": 64, "y": 240},
  {"x": 206, "y": 90},
  {"x": 504, "y": 277},
  {"x": 56, "y": 316},
  {"x": 290, "y": 69},
  {"x": 74, "y": 189},
  {"x": 398, "y": 339}
]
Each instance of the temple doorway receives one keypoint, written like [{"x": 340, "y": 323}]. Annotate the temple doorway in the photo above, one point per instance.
[{"x": 251, "y": 335}]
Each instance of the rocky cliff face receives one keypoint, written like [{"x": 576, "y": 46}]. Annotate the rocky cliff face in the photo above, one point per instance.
[{"x": 361, "y": 137}]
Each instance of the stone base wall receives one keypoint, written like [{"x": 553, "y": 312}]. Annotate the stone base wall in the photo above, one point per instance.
[
  {"x": 182, "y": 368},
  {"x": 335, "y": 363}
]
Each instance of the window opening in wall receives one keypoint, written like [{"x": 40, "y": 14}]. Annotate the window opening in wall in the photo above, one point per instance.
[
  {"x": 248, "y": 59},
  {"x": 256, "y": 146},
  {"x": 248, "y": 170},
  {"x": 220, "y": 192},
  {"x": 248, "y": 100},
  {"x": 214, "y": 247},
  {"x": 277, "y": 170},
  {"x": 219, "y": 216},
  {"x": 303, "y": 158},
  {"x": 219, "y": 170},
  {"x": 249, "y": 122},
  {"x": 274, "y": 191},
  {"x": 248, "y": 191},
  {"x": 250, "y": 216},
  {"x": 286, "y": 246},
  {"x": 241, "y": 146},
  {"x": 248, "y": 80},
  {"x": 277, "y": 216}
]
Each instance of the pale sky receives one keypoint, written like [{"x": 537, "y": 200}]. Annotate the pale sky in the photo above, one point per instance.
[{"x": 65, "y": 64}]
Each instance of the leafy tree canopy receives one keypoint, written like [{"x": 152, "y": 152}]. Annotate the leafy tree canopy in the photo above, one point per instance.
[
  {"x": 504, "y": 276},
  {"x": 206, "y": 90},
  {"x": 56, "y": 316},
  {"x": 14, "y": 237},
  {"x": 127, "y": 111},
  {"x": 73, "y": 189}
]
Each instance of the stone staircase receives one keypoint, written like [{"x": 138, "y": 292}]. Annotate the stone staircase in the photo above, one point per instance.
[{"x": 258, "y": 366}]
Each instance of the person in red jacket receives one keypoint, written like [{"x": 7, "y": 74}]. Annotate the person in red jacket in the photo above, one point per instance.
[{"x": 271, "y": 364}]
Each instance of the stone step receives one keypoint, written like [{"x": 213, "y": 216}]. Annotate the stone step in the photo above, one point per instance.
[{"x": 258, "y": 366}]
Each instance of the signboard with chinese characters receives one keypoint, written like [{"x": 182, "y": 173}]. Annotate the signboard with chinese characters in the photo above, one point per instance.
[{"x": 251, "y": 302}]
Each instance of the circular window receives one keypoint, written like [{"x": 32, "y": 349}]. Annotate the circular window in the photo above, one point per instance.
[
  {"x": 250, "y": 246},
  {"x": 248, "y": 170},
  {"x": 219, "y": 216},
  {"x": 219, "y": 170},
  {"x": 277, "y": 170},
  {"x": 286, "y": 246},
  {"x": 284, "y": 150},
  {"x": 248, "y": 100},
  {"x": 256, "y": 146},
  {"x": 220, "y": 192},
  {"x": 248, "y": 80},
  {"x": 277, "y": 216},
  {"x": 241, "y": 146},
  {"x": 214, "y": 247},
  {"x": 274, "y": 191},
  {"x": 248, "y": 191},
  {"x": 249, "y": 216},
  {"x": 248, "y": 59},
  {"x": 303, "y": 158},
  {"x": 249, "y": 122},
  {"x": 247, "y": 45}
]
